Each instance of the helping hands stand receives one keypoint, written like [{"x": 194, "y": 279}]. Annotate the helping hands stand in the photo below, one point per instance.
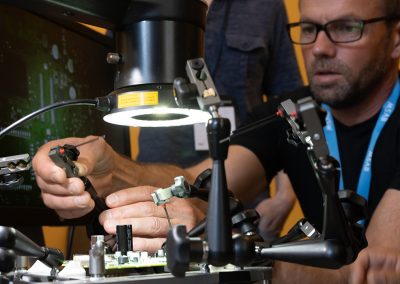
[
  {"x": 341, "y": 238},
  {"x": 218, "y": 248}
]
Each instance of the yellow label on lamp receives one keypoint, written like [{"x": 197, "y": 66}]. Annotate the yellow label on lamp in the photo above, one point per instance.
[{"x": 133, "y": 99}]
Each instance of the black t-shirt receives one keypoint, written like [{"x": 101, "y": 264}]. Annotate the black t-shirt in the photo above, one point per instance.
[{"x": 269, "y": 143}]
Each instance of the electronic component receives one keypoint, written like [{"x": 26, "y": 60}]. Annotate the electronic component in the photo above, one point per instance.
[
  {"x": 96, "y": 257},
  {"x": 124, "y": 238},
  {"x": 136, "y": 259}
]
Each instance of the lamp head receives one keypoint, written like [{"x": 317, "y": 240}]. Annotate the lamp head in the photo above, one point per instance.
[
  {"x": 153, "y": 47},
  {"x": 152, "y": 106}
]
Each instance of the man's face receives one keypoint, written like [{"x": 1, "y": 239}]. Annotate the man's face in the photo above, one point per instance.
[{"x": 343, "y": 74}]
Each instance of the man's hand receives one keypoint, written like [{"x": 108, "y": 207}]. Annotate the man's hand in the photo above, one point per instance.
[
  {"x": 274, "y": 211},
  {"x": 272, "y": 218},
  {"x": 149, "y": 222},
  {"x": 376, "y": 265},
  {"x": 66, "y": 195}
]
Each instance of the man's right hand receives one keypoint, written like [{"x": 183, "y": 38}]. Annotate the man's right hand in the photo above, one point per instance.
[
  {"x": 67, "y": 195},
  {"x": 376, "y": 265}
]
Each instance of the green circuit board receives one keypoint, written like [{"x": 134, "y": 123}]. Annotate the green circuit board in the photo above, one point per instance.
[{"x": 42, "y": 62}]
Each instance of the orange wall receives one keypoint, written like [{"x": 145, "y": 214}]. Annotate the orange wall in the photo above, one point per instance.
[{"x": 293, "y": 14}]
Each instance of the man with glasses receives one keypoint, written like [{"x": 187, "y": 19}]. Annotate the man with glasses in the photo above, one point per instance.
[
  {"x": 351, "y": 49},
  {"x": 338, "y": 31}
]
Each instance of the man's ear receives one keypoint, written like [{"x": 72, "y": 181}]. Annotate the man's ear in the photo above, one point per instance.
[{"x": 396, "y": 42}]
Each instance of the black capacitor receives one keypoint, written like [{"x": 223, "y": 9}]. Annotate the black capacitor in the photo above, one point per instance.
[
  {"x": 129, "y": 237},
  {"x": 122, "y": 239}
]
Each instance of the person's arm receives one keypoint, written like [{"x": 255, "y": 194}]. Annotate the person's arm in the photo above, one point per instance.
[
  {"x": 382, "y": 234},
  {"x": 244, "y": 173},
  {"x": 384, "y": 227}
]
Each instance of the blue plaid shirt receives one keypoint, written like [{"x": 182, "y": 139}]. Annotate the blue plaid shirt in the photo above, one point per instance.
[{"x": 249, "y": 54}]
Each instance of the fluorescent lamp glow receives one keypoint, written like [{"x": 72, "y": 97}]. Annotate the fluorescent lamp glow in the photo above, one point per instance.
[{"x": 157, "y": 117}]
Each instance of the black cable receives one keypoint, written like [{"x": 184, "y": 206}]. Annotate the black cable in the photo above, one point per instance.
[
  {"x": 251, "y": 126},
  {"x": 71, "y": 231},
  {"x": 92, "y": 102}
]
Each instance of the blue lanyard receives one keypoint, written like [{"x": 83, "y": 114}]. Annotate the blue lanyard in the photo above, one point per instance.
[{"x": 364, "y": 180}]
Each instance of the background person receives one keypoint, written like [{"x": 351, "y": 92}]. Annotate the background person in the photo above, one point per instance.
[{"x": 250, "y": 57}]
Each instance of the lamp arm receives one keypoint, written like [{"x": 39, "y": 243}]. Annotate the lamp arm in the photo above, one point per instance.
[{"x": 101, "y": 103}]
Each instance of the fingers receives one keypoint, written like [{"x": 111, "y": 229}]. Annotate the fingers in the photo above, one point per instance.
[
  {"x": 72, "y": 186},
  {"x": 69, "y": 202},
  {"x": 74, "y": 213},
  {"x": 137, "y": 210},
  {"x": 150, "y": 245},
  {"x": 384, "y": 277},
  {"x": 358, "y": 273},
  {"x": 45, "y": 169},
  {"x": 129, "y": 196},
  {"x": 149, "y": 220},
  {"x": 95, "y": 156},
  {"x": 146, "y": 219},
  {"x": 141, "y": 227},
  {"x": 376, "y": 265},
  {"x": 67, "y": 196}
]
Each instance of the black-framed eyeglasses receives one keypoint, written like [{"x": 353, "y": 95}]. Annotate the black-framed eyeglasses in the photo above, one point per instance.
[{"x": 338, "y": 31}]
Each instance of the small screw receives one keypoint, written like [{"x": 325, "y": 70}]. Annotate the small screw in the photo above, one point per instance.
[{"x": 113, "y": 58}]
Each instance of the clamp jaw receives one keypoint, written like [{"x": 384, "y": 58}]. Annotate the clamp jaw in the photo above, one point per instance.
[
  {"x": 64, "y": 157},
  {"x": 10, "y": 168},
  {"x": 180, "y": 189}
]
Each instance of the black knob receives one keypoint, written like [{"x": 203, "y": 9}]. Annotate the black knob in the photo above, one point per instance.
[
  {"x": 197, "y": 64},
  {"x": 243, "y": 250},
  {"x": 52, "y": 257},
  {"x": 7, "y": 260},
  {"x": 245, "y": 221},
  {"x": 178, "y": 251},
  {"x": 185, "y": 93}
]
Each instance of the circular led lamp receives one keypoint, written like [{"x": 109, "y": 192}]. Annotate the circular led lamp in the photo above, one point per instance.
[
  {"x": 151, "y": 106},
  {"x": 157, "y": 117}
]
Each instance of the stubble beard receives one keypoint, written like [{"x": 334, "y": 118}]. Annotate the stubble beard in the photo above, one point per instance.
[{"x": 351, "y": 89}]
